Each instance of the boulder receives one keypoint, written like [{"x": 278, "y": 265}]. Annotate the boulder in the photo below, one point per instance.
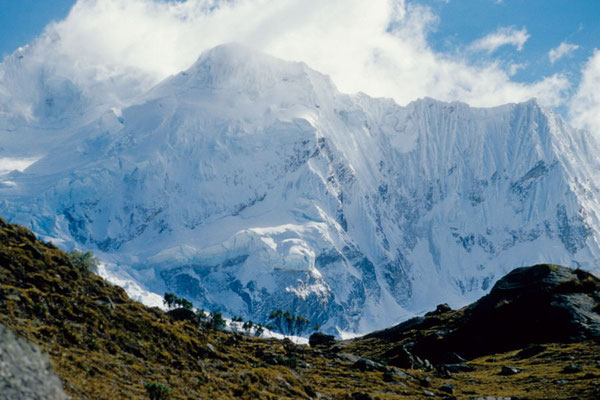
[
  {"x": 455, "y": 368},
  {"x": 530, "y": 351},
  {"x": 508, "y": 371},
  {"x": 320, "y": 339},
  {"x": 401, "y": 357},
  {"x": 572, "y": 369},
  {"x": 25, "y": 371},
  {"x": 364, "y": 365},
  {"x": 447, "y": 388},
  {"x": 440, "y": 309}
]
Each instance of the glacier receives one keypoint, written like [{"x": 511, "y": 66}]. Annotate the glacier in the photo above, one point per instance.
[{"x": 247, "y": 183}]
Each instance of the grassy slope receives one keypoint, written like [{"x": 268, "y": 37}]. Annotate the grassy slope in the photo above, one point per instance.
[{"x": 106, "y": 352}]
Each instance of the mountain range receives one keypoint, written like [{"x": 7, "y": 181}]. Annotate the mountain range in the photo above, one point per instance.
[{"x": 247, "y": 183}]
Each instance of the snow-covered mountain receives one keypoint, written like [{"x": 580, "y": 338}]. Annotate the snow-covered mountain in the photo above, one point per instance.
[{"x": 247, "y": 183}]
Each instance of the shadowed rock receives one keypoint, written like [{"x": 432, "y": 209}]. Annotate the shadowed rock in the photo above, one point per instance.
[{"x": 539, "y": 304}]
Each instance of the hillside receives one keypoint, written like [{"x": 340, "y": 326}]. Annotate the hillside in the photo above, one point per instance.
[{"x": 103, "y": 345}]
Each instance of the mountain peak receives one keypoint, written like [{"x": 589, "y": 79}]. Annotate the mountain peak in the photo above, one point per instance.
[{"x": 238, "y": 67}]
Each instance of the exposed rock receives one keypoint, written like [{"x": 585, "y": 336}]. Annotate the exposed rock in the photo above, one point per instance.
[
  {"x": 425, "y": 382},
  {"x": 544, "y": 304},
  {"x": 440, "y": 309},
  {"x": 530, "y": 351},
  {"x": 401, "y": 357},
  {"x": 393, "y": 374},
  {"x": 447, "y": 388},
  {"x": 507, "y": 371},
  {"x": 364, "y": 364},
  {"x": 572, "y": 369},
  {"x": 25, "y": 372},
  {"x": 346, "y": 357},
  {"x": 455, "y": 368},
  {"x": 452, "y": 358},
  {"x": 105, "y": 301},
  {"x": 361, "y": 396},
  {"x": 320, "y": 339}
]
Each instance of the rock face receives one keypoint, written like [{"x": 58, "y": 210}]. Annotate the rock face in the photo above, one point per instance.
[
  {"x": 25, "y": 372},
  {"x": 247, "y": 184},
  {"x": 539, "y": 304}
]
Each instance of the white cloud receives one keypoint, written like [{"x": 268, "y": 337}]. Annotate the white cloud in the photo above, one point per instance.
[
  {"x": 584, "y": 108},
  {"x": 378, "y": 47},
  {"x": 504, "y": 36},
  {"x": 514, "y": 68},
  {"x": 564, "y": 49}
]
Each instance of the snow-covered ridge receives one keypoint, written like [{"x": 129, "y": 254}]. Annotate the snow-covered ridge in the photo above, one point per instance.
[{"x": 247, "y": 183}]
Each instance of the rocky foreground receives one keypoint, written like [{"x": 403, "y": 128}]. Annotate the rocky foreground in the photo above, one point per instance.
[{"x": 535, "y": 336}]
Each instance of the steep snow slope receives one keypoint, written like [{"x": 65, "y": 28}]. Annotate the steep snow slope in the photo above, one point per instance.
[{"x": 247, "y": 183}]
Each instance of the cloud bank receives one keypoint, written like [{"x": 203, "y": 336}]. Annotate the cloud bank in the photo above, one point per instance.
[
  {"x": 113, "y": 49},
  {"x": 504, "y": 36},
  {"x": 584, "y": 108}
]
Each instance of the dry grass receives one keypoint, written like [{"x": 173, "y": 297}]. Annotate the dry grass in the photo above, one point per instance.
[{"x": 102, "y": 352}]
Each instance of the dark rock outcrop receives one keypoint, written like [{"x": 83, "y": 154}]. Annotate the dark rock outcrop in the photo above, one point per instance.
[
  {"x": 401, "y": 357},
  {"x": 440, "y": 309},
  {"x": 25, "y": 372},
  {"x": 531, "y": 305},
  {"x": 320, "y": 339}
]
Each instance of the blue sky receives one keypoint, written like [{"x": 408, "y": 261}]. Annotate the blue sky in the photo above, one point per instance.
[
  {"x": 482, "y": 52},
  {"x": 548, "y": 22},
  {"x": 21, "y": 21}
]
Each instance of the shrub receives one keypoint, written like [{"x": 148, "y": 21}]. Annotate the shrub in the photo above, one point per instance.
[
  {"x": 157, "y": 391},
  {"x": 83, "y": 261}
]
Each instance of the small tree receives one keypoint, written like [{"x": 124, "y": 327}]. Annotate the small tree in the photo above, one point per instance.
[
  {"x": 287, "y": 323},
  {"x": 157, "y": 391},
  {"x": 184, "y": 303},
  {"x": 201, "y": 315},
  {"x": 170, "y": 300},
  {"x": 247, "y": 326},
  {"x": 216, "y": 321},
  {"x": 277, "y": 317},
  {"x": 300, "y": 325}
]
